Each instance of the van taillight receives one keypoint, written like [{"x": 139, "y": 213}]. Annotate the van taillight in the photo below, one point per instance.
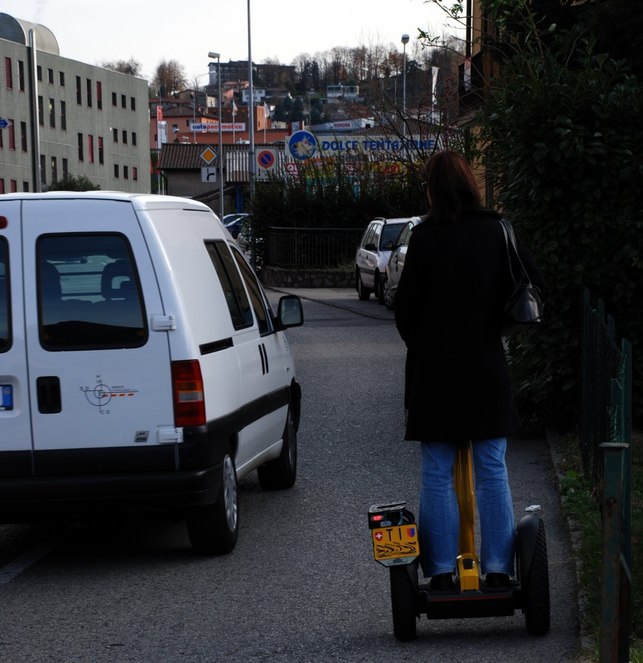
[{"x": 187, "y": 389}]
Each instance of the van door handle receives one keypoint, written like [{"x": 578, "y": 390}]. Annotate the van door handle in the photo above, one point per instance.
[
  {"x": 48, "y": 392},
  {"x": 265, "y": 368}
]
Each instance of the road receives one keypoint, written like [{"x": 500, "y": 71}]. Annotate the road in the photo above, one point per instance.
[{"x": 301, "y": 586}]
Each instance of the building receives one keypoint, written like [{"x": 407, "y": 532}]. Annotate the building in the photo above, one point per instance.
[{"x": 67, "y": 118}]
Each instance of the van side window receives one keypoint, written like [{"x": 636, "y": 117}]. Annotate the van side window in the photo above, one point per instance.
[
  {"x": 259, "y": 304},
  {"x": 89, "y": 293},
  {"x": 230, "y": 279},
  {"x": 5, "y": 335}
]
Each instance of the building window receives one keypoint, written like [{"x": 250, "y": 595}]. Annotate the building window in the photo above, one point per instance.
[
  {"x": 23, "y": 136},
  {"x": 54, "y": 169},
  {"x": 25, "y": 186},
  {"x": 1, "y": 185},
  {"x": 99, "y": 95},
  {"x": 116, "y": 170},
  {"x": 89, "y": 93},
  {"x": 50, "y": 76},
  {"x": 65, "y": 168},
  {"x": 41, "y": 112},
  {"x": 135, "y": 173},
  {"x": 1, "y": 140},
  {"x": 12, "y": 135},
  {"x": 123, "y": 101},
  {"x": 124, "y": 137},
  {"x": 115, "y": 135},
  {"x": 39, "y": 73},
  {"x": 79, "y": 91},
  {"x": 52, "y": 113},
  {"x": 101, "y": 151},
  {"x": 13, "y": 186},
  {"x": 43, "y": 172},
  {"x": 61, "y": 78},
  {"x": 114, "y": 99},
  {"x": 21, "y": 75},
  {"x": 133, "y": 137},
  {"x": 63, "y": 115},
  {"x": 132, "y": 103},
  {"x": 81, "y": 153},
  {"x": 126, "y": 172},
  {"x": 90, "y": 148},
  {"x": 8, "y": 71}
]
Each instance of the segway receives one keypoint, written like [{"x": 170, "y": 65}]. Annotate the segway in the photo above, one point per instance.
[{"x": 394, "y": 535}]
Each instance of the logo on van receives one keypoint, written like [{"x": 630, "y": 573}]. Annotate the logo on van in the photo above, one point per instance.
[{"x": 102, "y": 394}]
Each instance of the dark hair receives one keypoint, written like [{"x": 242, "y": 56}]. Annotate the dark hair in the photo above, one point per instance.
[{"x": 451, "y": 186}]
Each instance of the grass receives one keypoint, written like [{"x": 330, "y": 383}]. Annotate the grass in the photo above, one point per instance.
[{"x": 580, "y": 506}]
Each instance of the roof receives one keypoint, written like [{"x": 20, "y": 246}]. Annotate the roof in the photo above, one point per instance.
[
  {"x": 17, "y": 29},
  {"x": 181, "y": 156}
]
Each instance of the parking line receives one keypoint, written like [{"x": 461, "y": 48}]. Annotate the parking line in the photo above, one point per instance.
[{"x": 24, "y": 561}]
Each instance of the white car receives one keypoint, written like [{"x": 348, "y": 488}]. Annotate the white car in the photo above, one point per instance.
[
  {"x": 373, "y": 253},
  {"x": 395, "y": 263},
  {"x": 142, "y": 364}
]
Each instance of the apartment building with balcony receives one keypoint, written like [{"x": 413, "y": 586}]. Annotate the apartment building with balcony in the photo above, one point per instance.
[{"x": 67, "y": 118}]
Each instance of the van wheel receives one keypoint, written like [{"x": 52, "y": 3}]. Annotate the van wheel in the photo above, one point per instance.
[
  {"x": 213, "y": 529},
  {"x": 282, "y": 472},
  {"x": 362, "y": 292}
]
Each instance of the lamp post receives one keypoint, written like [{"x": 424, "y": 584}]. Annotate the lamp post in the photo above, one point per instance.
[
  {"x": 251, "y": 137},
  {"x": 405, "y": 41},
  {"x": 217, "y": 57}
]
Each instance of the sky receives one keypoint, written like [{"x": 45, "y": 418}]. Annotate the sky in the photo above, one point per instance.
[{"x": 150, "y": 32}]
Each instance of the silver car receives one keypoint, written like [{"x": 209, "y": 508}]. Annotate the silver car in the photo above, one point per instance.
[
  {"x": 395, "y": 263},
  {"x": 373, "y": 253}
]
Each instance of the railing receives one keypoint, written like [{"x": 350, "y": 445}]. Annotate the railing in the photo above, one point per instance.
[
  {"x": 606, "y": 424},
  {"x": 312, "y": 248}
]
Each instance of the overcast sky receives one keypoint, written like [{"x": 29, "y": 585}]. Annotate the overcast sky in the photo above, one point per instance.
[{"x": 95, "y": 32}]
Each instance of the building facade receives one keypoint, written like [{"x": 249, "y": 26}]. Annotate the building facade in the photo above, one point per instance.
[{"x": 67, "y": 118}]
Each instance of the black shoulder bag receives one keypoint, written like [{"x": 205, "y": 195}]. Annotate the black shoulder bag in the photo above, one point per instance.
[{"x": 524, "y": 306}]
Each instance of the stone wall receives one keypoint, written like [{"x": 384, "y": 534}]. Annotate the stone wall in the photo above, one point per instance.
[{"x": 313, "y": 278}]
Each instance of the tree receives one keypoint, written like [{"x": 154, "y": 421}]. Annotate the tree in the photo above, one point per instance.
[
  {"x": 563, "y": 146},
  {"x": 74, "y": 183},
  {"x": 130, "y": 67},
  {"x": 169, "y": 77}
]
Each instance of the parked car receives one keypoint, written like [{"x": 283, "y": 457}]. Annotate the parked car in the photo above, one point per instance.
[
  {"x": 234, "y": 222},
  {"x": 395, "y": 264},
  {"x": 373, "y": 253},
  {"x": 142, "y": 364}
]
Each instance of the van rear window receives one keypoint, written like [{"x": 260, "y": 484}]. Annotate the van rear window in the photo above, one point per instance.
[
  {"x": 5, "y": 303},
  {"x": 89, "y": 293}
]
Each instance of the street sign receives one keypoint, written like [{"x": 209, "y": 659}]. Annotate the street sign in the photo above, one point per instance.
[
  {"x": 266, "y": 162},
  {"x": 209, "y": 155},
  {"x": 4, "y": 123},
  {"x": 208, "y": 174}
]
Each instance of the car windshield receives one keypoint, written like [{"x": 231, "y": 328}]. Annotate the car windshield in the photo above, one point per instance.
[{"x": 390, "y": 233}]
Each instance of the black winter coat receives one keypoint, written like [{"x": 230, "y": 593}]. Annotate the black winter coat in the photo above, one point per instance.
[{"x": 448, "y": 311}]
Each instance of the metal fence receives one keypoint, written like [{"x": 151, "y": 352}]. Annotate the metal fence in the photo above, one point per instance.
[
  {"x": 312, "y": 248},
  {"x": 606, "y": 424}
]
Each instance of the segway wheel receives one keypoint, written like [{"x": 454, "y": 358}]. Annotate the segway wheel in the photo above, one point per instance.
[
  {"x": 403, "y": 597},
  {"x": 535, "y": 587}
]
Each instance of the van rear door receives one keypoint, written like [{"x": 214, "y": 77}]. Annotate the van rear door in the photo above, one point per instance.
[
  {"x": 15, "y": 440},
  {"x": 99, "y": 374}
]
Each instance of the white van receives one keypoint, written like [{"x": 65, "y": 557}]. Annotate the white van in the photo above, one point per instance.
[{"x": 141, "y": 364}]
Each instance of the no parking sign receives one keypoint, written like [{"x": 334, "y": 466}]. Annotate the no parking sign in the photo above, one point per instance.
[{"x": 266, "y": 162}]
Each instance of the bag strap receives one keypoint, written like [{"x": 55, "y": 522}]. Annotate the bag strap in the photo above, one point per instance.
[{"x": 510, "y": 242}]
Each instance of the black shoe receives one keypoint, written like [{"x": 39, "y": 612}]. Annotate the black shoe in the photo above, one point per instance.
[
  {"x": 443, "y": 582},
  {"x": 497, "y": 581}
]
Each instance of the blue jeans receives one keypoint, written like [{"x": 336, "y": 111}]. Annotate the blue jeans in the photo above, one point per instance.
[{"x": 439, "y": 515}]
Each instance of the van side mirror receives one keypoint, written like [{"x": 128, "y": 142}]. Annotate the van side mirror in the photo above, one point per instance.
[{"x": 290, "y": 312}]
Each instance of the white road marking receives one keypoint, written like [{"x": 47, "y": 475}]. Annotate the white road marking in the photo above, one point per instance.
[{"x": 27, "y": 559}]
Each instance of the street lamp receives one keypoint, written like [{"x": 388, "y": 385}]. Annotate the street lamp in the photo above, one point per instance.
[
  {"x": 217, "y": 57},
  {"x": 251, "y": 137},
  {"x": 405, "y": 41}
]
